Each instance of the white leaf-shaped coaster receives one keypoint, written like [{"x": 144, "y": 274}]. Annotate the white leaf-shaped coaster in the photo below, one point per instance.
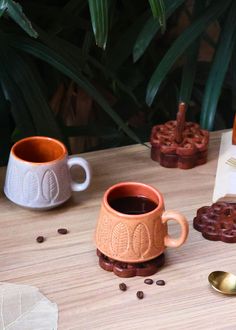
[{"x": 23, "y": 307}]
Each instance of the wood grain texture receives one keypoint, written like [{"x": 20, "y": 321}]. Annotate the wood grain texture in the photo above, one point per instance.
[{"x": 65, "y": 267}]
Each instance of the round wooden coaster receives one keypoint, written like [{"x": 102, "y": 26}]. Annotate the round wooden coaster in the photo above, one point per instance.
[
  {"x": 123, "y": 269},
  {"x": 217, "y": 222}
]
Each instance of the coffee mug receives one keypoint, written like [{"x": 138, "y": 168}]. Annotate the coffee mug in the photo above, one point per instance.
[
  {"x": 132, "y": 225},
  {"x": 38, "y": 173}
]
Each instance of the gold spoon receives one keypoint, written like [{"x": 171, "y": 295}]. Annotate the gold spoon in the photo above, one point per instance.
[{"x": 223, "y": 282}]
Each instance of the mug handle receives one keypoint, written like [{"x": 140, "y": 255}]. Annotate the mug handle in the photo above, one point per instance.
[
  {"x": 79, "y": 161},
  {"x": 178, "y": 217}
]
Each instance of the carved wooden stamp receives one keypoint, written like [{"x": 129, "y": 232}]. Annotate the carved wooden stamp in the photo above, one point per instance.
[{"x": 178, "y": 143}]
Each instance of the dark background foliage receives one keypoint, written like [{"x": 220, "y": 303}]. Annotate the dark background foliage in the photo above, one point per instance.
[{"x": 99, "y": 73}]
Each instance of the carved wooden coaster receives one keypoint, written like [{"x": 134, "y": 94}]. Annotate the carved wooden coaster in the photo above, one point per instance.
[
  {"x": 178, "y": 143},
  {"x": 217, "y": 222},
  {"x": 123, "y": 269}
]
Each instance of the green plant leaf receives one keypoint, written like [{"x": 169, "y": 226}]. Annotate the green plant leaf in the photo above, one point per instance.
[
  {"x": 87, "y": 43},
  {"x": 150, "y": 29},
  {"x": 65, "y": 63},
  {"x": 218, "y": 69},
  {"x": 2, "y": 10},
  {"x": 40, "y": 112},
  {"x": 124, "y": 46},
  {"x": 158, "y": 12},
  {"x": 99, "y": 18},
  {"x": 81, "y": 56},
  {"x": 67, "y": 16},
  {"x": 12, "y": 93},
  {"x": 181, "y": 44},
  {"x": 6, "y": 129},
  {"x": 189, "y": 69},
  {"x": 113, "y": 76},
  {"x": 14, "y": 10}
]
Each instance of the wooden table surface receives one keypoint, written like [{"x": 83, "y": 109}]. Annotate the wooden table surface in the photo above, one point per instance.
[{"x": 65, "y": 268}]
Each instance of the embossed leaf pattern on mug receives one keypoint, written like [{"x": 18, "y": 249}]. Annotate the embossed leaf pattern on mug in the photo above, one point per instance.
[
  {"x": 13, "y": 183},
  {"x": 119, "y": 239},
  {"x": 104, "y": 231},
  {"x": 30, "y": 187},
  {"x": 141, "y": 240},
  {"x": 50, "y": 188}
]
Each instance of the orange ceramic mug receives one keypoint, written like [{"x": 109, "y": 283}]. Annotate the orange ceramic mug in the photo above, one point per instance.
[{"x": 132, "y": 225}]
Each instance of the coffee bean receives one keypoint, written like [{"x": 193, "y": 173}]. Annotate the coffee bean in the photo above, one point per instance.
[
  {"x": 123, "y": 286},
  {"x": 160, "y": 282},
  {"x": 62, "y": 231},
  {"x": 140, "y": 294},
  {"x": 148, "y": 281},
  {"x": 40, "y": 239}
]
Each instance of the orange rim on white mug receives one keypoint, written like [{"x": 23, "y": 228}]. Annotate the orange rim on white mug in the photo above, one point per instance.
[{"x": 39, "y": 150}]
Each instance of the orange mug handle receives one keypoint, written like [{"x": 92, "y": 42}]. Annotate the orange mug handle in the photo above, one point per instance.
[{"x": 176, "y": 216}]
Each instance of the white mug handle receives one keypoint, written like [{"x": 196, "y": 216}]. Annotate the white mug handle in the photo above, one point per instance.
[{"x": 75, "y": 160}]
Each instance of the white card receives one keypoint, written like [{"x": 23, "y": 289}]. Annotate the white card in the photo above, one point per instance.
[{"x": 225, "y": 182}]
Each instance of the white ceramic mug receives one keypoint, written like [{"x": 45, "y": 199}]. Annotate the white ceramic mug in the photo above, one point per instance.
[{"x": 38, "y": 173}]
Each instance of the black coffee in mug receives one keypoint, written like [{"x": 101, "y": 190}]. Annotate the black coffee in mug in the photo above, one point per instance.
[{"x": 133, "y": 204}]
